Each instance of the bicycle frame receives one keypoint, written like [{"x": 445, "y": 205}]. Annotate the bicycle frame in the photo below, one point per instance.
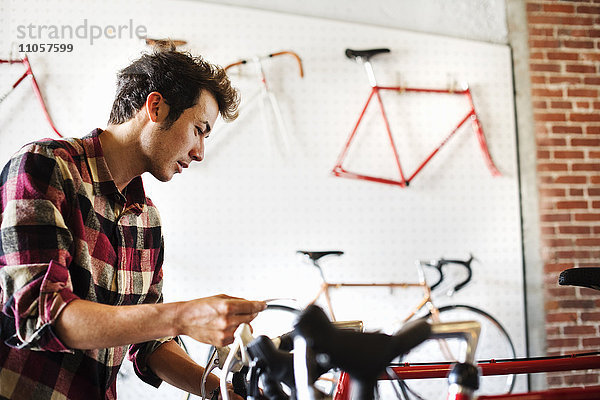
[
  {"x": 265, "y": 93},
  {"x": 426, "y": 299},
  {"x": 36, "y": 88},
  {"x": 497, "y": 367},
  {"x": 403, "y": 181}
]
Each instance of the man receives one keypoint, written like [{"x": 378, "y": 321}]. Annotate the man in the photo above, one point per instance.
[{"x": 81, "y": 245}]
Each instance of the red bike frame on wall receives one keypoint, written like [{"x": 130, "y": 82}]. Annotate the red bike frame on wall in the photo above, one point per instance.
[
  {"x": 36, "y": 88},
  {"x": 363, "y": 56}
]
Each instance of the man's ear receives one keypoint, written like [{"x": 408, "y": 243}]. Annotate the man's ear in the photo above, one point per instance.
[{"x": 156, "y": 108}]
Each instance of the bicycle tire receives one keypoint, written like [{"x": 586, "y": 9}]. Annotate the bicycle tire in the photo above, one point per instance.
[{"x": 494, "y": 343}]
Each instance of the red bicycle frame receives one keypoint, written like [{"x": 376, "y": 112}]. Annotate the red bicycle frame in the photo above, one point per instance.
[
  {"x": 500, "y": 367},
  {"x": 403, "y": 181},
  {"x": 36, "y": 88}
]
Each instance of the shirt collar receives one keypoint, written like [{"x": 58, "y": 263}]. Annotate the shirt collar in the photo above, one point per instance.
[{"x": 102, "y": 180}]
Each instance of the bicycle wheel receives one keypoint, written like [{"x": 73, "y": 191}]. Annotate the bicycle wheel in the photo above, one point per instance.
[{"x": 494, "y": 343}]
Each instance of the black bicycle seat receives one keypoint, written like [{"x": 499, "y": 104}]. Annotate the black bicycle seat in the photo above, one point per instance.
[
  {"x": 587, "y": 277},
  {"x": 316, "y": 255},
  {"x": 364, "y": 54}
]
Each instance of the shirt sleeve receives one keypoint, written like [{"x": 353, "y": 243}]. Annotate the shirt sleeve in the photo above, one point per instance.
[{"x": 34, "y": 248}]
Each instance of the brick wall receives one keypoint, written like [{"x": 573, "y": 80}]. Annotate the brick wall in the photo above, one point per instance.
[{"x": 564, "y": 43}]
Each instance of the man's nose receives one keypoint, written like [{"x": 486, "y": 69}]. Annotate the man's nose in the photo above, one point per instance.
[{"x": 197, "y": 153}]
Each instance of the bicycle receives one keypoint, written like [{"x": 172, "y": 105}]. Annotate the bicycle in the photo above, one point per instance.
[
  {"x": 495, "y": 340},
  {"x": 319, "y": 345},
  {"x": 364, "y": 57},
  {"x": 36, "y": 88}
]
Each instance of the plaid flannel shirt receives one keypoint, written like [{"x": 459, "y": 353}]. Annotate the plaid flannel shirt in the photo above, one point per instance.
[{"x": 66, "y": 232}]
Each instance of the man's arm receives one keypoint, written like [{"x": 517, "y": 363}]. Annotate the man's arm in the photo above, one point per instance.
[
  {"x": 174, "y": 366},
  {"x": 84, "y": 324}
]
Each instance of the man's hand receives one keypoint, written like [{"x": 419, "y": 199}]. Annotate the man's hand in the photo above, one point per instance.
[{"x": 213, "y": 320}]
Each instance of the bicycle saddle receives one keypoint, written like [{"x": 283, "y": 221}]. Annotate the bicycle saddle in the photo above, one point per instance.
[
  {"x": 587, "y": 277},
  {"x": 316, "y": 255},
  {"x": 364, "y": 54}
]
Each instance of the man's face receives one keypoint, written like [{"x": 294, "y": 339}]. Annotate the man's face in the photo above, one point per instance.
[{"x": 169, "y": 151}]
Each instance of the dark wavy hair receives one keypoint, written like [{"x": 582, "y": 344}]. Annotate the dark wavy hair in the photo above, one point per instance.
[{"x": 178, "y": 77}]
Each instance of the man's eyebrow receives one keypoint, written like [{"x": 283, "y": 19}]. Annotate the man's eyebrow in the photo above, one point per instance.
[{"x": 207, "y": 126}]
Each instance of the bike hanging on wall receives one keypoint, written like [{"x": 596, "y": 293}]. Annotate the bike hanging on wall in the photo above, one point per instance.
[
  {"x": 36, "y": 88},
  {"x": 403, "y": 180}
]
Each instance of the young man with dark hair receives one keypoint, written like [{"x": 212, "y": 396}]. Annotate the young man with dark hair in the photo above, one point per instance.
[{"x": 81, "y": 246}]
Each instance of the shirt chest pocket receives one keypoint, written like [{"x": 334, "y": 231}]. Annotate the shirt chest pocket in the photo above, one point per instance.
[{"x": 138, "y": 259}]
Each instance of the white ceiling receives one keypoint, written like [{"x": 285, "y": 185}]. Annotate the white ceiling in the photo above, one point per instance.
[{"x": 482, "y": 20}]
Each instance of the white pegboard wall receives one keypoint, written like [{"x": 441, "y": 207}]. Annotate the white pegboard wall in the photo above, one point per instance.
[{"x": 233, "y": 223}]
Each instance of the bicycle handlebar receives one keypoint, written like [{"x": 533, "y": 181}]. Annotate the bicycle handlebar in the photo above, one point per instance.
[
  {"x": 296, "y": 56},
  {"x": 371, "y": 352},
  {"x": 439, "y": 265}
]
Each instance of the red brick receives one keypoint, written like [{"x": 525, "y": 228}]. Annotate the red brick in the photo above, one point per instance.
[
  {"x": 571, "y": 205},
  {"x": 584, "y": 117},
  {"x": 587, "y": 242},
  {"x": 582, "y": 93},
  {"x": 578, "y": 44},
  {"x": 560, "y": 20},
  {"x": 581, "y": 230},
  {"x": 591, "y": 342},
  {"x": 552, "y": 192},
  {"x": 543, "y": 155},
  {"x": 540, "y": 31},
  {"x": 585, "y": 379},
  {"x": 552, "y": 167},
  {"x": 571, "y": 179},
  {"x": 546, "y": 43},
  {"x": 593, "y": 191},
  {"x": 591, "y": 80},
  {"x": 576, "y": 192},
  {"x": 564, "y": 79},
  {"x": 560, "y": 104},
  {"x": 587, "y": 56},
  {"x": 557, "y": 8},
  {"x": 594, "y": 179},
  {"x": 538, "y": 79},
  {"x": 557, "y": 292},
  {"x": 544, "y": 92},
  {"x": 583, "y": 105},
  {"x": 592, "y": 130},
  {"x": 593, "y": 155},
  {"x": 573, "y": 254},
  {"x": 592, "y": 167},
  {"x": 587, "y": 217},
  {"x": 547, "y": 230},
  {"x": 562, "y": 343},
  {"x": 580, "y": 330},
  {"x": 569, "y": 154},
  {"x": 585, "y": 142},
  {"x": 588, "y": 10},
  {"x": 556, "y": 55},
  {"x": 578, "y": 68},
  {"x": 566, "y": 129},
  {"x": 573, "y": 32},
  {"x": 578, "y": 304},
  {"x": 590, "y": 316},
  {"x": 555, "y": 217},
  {"x": 550, "y": 68},
  {"x": 550, "y": 117}
]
